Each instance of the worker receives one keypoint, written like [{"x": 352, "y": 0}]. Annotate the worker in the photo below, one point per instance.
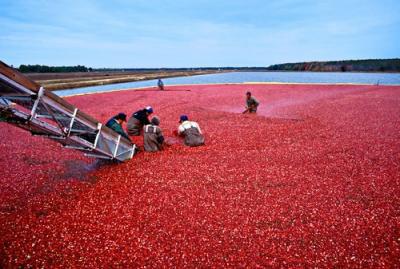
[
  {"x": 153, "y": 137},
  {"x": 160, "y": 84},
  {"x": 7, "y": 111},
  {"x": 251, "y": 103},
  {"x": 115, "y": 124},
  {"x": 138, "y": 120},
  {"x": 191, "y": 131}
]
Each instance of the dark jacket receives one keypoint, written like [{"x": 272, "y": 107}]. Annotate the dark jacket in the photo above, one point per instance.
[
  {"x": 141, "y": 115},
  {"x": 160, "y": 83},
  {"x": 137, "y": 121},
  {"x": 115, "y": 126}
]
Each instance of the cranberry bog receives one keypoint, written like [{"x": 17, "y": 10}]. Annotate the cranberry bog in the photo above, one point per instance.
[{"x": 312, "y": 180}]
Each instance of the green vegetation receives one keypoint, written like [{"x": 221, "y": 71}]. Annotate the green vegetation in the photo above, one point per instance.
[
  {"x": 52, "y": 69},
  {"x": 373, "y": 65},
  {"x": 378, "y": 65}
]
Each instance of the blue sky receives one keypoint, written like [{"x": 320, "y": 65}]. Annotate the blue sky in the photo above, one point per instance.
[{"x": 178, "y": 33}]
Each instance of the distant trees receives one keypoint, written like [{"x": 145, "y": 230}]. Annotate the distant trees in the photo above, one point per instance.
[
  {"x": 52, "y": 69},
  {"x": 372, "y": 65},
  {"x": 378, "y": 65}
]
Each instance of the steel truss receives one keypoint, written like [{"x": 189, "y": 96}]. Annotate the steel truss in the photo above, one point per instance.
[{"x": 26, "y": 105}]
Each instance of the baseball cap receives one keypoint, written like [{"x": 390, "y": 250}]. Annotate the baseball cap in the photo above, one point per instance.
[
  {"x": 149, "y": 109},
  {"x": 183, "y": 118}
]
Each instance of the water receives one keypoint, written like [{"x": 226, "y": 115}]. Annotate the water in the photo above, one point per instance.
[{"x": 242, "y": 77}]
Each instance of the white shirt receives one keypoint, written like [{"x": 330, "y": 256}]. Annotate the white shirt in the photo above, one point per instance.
[{"x": 186, "y": 125}]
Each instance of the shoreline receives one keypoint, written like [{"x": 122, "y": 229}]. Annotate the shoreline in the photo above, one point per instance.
[
  {"x": 88, "y": 79},
  {"x": 63, "y": 81},
  {"x": 235, "y": 83}
]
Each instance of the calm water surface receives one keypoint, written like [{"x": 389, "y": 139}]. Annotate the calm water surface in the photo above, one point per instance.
[{"x": 241, "y": 77}]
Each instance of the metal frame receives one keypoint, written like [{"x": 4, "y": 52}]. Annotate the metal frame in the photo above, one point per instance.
[
  {"x": 45, "y": 114},
  {"x": 37, "y": 101}
]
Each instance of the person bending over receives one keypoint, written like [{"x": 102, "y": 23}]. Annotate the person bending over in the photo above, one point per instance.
[
  {"x": 138, "y": 120},
  {"x": 160, "y": 84},
  {"x": 153, "y": 137},
  {"x": 191, "y": 132},
  {"x": 115, "y": 124},
  {"x": 251, "y": 103}
]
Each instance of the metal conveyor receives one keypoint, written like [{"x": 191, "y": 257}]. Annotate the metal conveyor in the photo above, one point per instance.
[{"x": 29, "y": 106}]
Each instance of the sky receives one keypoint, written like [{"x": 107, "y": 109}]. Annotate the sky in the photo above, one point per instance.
[{"x": 201, "y": 33}]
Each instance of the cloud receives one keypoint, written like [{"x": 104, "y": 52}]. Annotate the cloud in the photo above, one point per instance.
[{"x": 196, "y": 33}]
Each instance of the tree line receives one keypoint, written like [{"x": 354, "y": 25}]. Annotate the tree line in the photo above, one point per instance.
[
  {"x": 52, "y": 69},
  {"x": 371, "y": 65}
]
